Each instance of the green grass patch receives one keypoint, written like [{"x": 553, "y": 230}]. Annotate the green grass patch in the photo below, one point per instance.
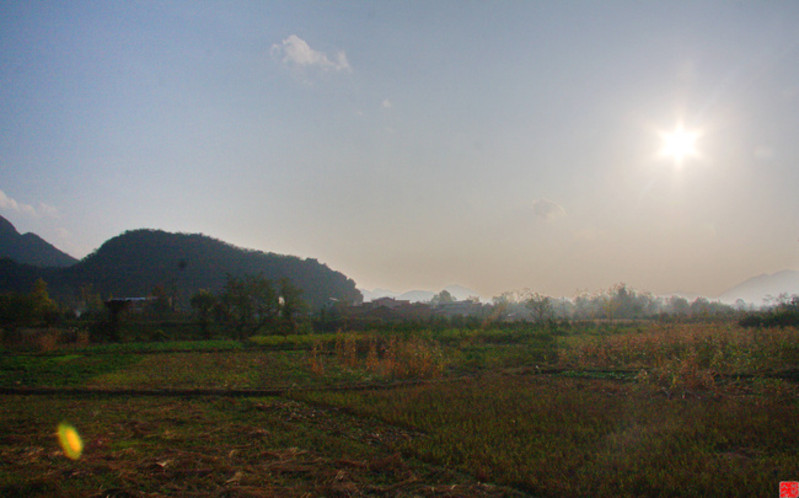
[
  {"x": 166, "y": 346},
  {"x": 223, "y": 370},
  {"x": 69, "y": 370}
]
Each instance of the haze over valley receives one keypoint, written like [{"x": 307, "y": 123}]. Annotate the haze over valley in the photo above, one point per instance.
[
  {"x": 558, "y": 147},
  {"x": 139, "y": 261}
]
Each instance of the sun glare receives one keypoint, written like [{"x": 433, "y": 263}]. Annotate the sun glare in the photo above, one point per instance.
[{"x": 679, "y": 144}]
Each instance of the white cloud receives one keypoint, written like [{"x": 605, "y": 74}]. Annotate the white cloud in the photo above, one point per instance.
[
  {"x": 296, "y": 51},
  {"x": 48, "y": 210},
  {"x": 11, "y": 204},
  {"x": 547, "y": 210},
  {"x": 7, "y": 202},
  {"x": 387, "y": 104}
]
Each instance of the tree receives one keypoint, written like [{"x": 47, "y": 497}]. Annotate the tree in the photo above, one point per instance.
[
  {"x": 292, "y": 306},
  {"x": 624, "y": 303},
  {"x": 584, "y": 306},
  {"x": 45, "y": 310},
  {"x": 700, "y": 307},
  {"x": 443, "y": 297},
  {"x": 33, "y": 309},
  {"x": 203, "y": 303},
  {"x": 250, "y": 303},
  {"x": 89, "y": 301},
  {"x": 541, "y": 308},
  {"x": 161, "y": 306},
  {"x": 678, "y": 305}
]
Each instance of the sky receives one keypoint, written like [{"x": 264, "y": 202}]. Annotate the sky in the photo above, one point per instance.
[{"x": 413, "y": 144}]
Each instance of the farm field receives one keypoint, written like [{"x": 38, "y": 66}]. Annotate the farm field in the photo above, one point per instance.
[{"x": 637, "y": 410}]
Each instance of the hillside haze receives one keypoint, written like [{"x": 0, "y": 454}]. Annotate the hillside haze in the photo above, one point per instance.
[
  {"x": 137, "y": 261},
  {"x": 30, "y": 249},
  {"x": 757, "y": 290}
]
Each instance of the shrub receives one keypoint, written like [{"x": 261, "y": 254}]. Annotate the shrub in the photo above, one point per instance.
[
  {"x": 394, "y": 357},
  {"x": 783, "y": 315}
]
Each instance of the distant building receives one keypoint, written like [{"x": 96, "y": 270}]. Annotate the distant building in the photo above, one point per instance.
[
  {"x": 387, "y": 302},
  {"x": 390, "y": 309}
]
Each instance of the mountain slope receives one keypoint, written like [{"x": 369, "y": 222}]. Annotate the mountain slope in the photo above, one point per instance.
[
  {"x": 134, "y": 263},
  {"x": 755, "y": 289},
  {"x": 30, "y": 249}
]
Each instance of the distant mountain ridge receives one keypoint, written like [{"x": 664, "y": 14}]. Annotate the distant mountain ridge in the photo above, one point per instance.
[
  {"x": 30, "y": 249},
  {"x": 136, "y": 262},
  {"x": 756, "y": 289},
  {"x": 458, "y": 292}
]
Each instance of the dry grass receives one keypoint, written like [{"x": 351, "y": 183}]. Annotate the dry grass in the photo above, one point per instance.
[
  {"x": 211, "y": 447},
  {"x": 545, "y": 434},
  {"x": 392, "y": 358},
  {"x": 568, "y": 437},
  {"x": 687, "y": 357}
]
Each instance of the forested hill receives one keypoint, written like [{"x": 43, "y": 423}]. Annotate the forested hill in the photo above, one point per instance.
[
  {"x": 138, "y": 261},
  {"x": 30, "y": 249},
  {"x": 134, "y": 263}
]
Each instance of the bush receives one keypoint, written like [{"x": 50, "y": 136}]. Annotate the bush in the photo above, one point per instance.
[{"x": 783, "y": 315}]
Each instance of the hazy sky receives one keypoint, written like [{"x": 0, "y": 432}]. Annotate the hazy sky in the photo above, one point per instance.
[{"x": 415, "y": 144}]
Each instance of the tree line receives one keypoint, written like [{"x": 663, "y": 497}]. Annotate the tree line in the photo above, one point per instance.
[
  {"x": 245, "y": 306},
  {"x": 253, "y": 304},
  {"x": 250, "y": 305},
  {"x": 30, "y": 309},
  {"x": 619, "y": 302}
]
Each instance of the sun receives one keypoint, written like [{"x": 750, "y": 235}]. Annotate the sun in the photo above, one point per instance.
[{"x": 679, "y": 144}]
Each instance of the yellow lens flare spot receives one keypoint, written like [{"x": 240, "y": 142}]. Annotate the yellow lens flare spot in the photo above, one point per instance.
[{"x": 70, "y": 441}]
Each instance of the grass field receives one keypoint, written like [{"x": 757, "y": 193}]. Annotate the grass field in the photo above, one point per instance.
[{"x": 647, "y": 410}]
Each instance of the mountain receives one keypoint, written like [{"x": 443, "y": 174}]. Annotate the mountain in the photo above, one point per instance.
[
  {"x": 756, "y": 289},
  {"x": 371, "y": 295},
  {"x": 16, "y": 277},
  {"x": 460, "y": 293},
  {"x": 417, "y": 296},
  {"x": 138, "y": 261},
  {"x": 30, "y": 249}
]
